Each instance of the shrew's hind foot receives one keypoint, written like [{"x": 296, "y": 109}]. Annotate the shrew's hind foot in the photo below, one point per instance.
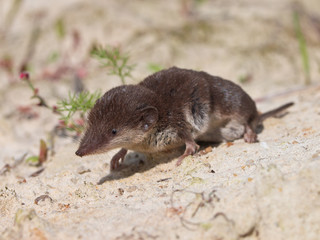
[{"x": 250, "y": 136}]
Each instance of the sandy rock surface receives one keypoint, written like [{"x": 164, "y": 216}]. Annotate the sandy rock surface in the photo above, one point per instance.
[{"x": 265, "y": 190}]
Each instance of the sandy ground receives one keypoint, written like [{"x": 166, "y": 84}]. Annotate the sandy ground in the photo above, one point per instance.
[{"x": 266, "y": 190}]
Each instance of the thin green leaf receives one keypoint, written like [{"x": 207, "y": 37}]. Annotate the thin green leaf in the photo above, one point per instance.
[
  {"x": 115, "y": 62},
  {"x": 33, "y": 160},
  {"x": 77, "y": 103},
  {"x": 302, "y": 47}
]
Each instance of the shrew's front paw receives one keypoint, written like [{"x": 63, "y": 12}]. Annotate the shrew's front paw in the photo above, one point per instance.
[
  {"x": 119, "y": 156},
  {"x": 191, "y": 148}
]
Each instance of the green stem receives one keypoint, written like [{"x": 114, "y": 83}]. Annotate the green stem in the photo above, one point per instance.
[{"x": 302, "y": 47}]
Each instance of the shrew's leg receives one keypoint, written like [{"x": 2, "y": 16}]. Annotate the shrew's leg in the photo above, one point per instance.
[
  {"x": 191, "y": 148},
  {"x": 115, "y": 161},
  {"x": 249, "y": 135}
]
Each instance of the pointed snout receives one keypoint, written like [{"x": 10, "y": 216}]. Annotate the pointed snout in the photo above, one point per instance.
[
  {"x": 85, "y": 150},
  {"x": 79, "y": 153}
]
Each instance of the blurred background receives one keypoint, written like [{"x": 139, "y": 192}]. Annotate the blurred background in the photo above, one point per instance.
[{"x": 266, "y": 46}]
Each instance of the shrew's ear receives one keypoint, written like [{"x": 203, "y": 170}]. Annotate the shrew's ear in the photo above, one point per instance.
[{"x": 149, "y": 116}]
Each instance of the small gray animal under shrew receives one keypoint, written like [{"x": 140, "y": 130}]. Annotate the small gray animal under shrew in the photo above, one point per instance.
[{"x": 170, "y": 109}]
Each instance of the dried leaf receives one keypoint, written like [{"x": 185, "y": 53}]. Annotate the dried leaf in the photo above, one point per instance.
[
  {"x": 121, "y": 191},
  {"x": 35, "y": 174},
  {"x": 43, "y": 151},
  {"x": 208, "y": 149},
  {"x": 64, "y": 207},
  {"x": 205, "y": 151},
  {"x": 38, "y": 234},
  {"x": 229, "y": 144},
  {"x": 7, "y": 64},
  {"x": 172, "y": 211},
  {"x": 42, "y": 198},
  {"x": 22, "y": 180},
  {"x": 84, "y": 171},
  {"x": 5, "y": 169},
  {"x": 164, "y": 179}
]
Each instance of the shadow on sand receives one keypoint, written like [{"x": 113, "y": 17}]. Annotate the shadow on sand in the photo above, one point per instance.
[{"x": 138, "y": 163}]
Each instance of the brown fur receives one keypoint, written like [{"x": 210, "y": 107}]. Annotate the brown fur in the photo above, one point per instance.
[{"x": 169, "y": 109}]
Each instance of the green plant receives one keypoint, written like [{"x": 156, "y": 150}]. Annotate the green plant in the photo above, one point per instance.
[
  {"x": 302, "y": 46},
  {"x": 153, "y": 67},
  {"x": 245, "y": 78},
  {"x": 60, "y": 28},
  {"x": 78, "y": 104},
  {"x": 42, "y": 157},
  {"x": 72, "y": 111},
  {"x": 25, "y": 76},
  {"x": 114, "y": 60}
]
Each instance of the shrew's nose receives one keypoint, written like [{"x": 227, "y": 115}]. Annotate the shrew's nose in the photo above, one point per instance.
[{"x": 79, "y": 153}]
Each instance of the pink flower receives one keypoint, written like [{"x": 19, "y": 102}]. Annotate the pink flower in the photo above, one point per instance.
[
  {"x": 79, "y": 121},
  {"x": 24, "y": 75},
  {"x": 62, "y": 123},
  {"x": 81, "y": 73},
  {"x": 55, "y": 109}
]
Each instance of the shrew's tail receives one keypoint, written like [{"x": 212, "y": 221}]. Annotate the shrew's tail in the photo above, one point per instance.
[{"x": 274, "y": 112}]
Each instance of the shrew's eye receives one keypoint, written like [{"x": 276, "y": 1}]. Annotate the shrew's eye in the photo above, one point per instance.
[{"x": 114, "y": 131}]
